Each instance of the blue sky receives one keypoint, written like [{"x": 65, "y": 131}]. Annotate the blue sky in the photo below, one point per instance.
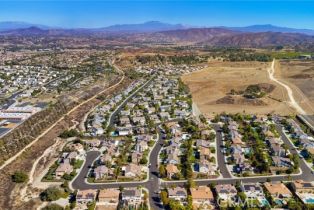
[{"x": 298, "y": 14}]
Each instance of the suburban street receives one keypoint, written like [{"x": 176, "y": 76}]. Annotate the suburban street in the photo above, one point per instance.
[
  {"x": 121, "y": 105},
  {"x": 308, "y": 120},
  {"x": 220, "y": 156},
  {"x": 153, "y": 183}
]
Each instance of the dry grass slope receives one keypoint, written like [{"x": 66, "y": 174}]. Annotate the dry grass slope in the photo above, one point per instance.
[{"x": 215, "y": 82}]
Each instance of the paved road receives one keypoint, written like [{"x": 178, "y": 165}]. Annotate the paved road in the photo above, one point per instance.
[
  {"x": 152, "y": 184},
  {"x": 120, "y": 106},
  {"x": 220, "y": 156},
  {"x": 306, "y": 171},
  {"x": 308, "y": 120}
]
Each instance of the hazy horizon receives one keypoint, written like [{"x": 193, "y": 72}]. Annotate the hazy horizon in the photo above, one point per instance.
[{"x": 95, "y": 14}]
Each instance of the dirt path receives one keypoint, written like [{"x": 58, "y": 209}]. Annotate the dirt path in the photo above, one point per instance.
[
  {"x": 32, "y": 182},
  {"x": 293, "y": 102},
  {"x": 195, "y": 110}
]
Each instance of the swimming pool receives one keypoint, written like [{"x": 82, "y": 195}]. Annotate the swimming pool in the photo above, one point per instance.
[
  {"x": 279, "y": 202},
  {"x": 264, "y": 202},
  {"x": 309, "y": 200}
]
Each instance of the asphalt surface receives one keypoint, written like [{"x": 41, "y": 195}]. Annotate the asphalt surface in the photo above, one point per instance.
[
  {"x": 152, "y": 184},
  {"x": 220, "y": 156},
  {"x": 308, "y": 120},
  {"x": 119, "y": 108}
]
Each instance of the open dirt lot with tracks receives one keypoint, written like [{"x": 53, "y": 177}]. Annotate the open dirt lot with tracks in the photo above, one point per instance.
[
  {"x": 299, "y": 75},
  {"x": 210, "y": 89}
]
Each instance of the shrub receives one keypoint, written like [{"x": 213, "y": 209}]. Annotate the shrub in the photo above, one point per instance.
[
  {"x": 69, "y": 133},
  {"x": 51, "y": 194},
  {"x": 19, "y": 177},
  {"x": 53, "y": 207}
]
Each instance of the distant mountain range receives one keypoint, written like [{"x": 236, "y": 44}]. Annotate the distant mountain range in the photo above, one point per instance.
[
  {"x": 271, "y": 28},
  {"x": 151, "y": 26},
  {"x": 13, "y": 25},
  {"x": 154, "y": 26},
  {"x": 157, "y": 32}
]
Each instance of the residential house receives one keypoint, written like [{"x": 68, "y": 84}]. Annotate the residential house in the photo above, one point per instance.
[
  {"x": 136, "y": 157},
  {"x": 109, "y": 197},
  {"x": 177, "y": 193},
  {"x": 202, "y": 143},
  {"x": 304, "y": 190},
  {"x": 226, "y": 192},
  {"x": 180, "y": 113},
  {"x": 164, "y": 115},
  {"x": 173, "y": 158},
  {"x": 236, "y": 149},
  {"x": 76, "y": 147},
  {"x": 139, "y": 120},
  {"x": 252, "y": 190},
  {"x": 151, "y": 110},
  {"x": 132, "y": 170},
  {"x": 281, "y": 161},
  {"x": 125, "y": 112},
  {"x": 202, "y": 197},
  {"x": 278, "y": 190},
  {"x": 277, "y": 150},
  {"x": 172, "y": 170},
  {"x": 172, "y": 148},
  {"x": 93, "y": 142},
  {"x": 238, "y": 158},
  {"x": 125, "y": 132},
  {"x": 301, "y": 186},
  {"x": 86, "y": 196},
  {"x": 124, "y": 121},
  {"x": 72, "y": 156},
  {"x": 102, "y": 171},
  {"x": 204, "y": 153},
  {"x": 132, "y": 196},
  {"x": 63, "y": 168},
  {"x": 106, "y": 158},
  {"x": 207, "y": 168},
  {"x": 141, "y": 146},
  {"x": 205, "y": 134}
]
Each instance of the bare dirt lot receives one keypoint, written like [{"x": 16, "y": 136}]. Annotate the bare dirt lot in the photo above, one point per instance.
[
  {"x": 299, "y": 75},
  {"x": 211, "y": 88}
]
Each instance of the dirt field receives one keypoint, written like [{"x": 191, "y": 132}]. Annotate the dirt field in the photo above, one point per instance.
[
  {"x": 210, "y": 89},
  {"x": 299, "y": 75}
]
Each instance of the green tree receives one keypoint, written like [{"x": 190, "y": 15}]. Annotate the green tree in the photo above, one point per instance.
[
  {"x": 19, "y": 177},
  {"x": 176, "y": 205},
  {"x": 53, "y": 207},
  {"x": 190, "y": 203},
  {"x": 164, "y": 197},
  {"x": 91, "y": 205},
  {"x": 69, "y": 133},
  {"x": 162, "y": 171},
  {"x": 242, "y": 196},
  {"x": 144, "y": 160},
  {"x": 292, "y": 204},
  {"x": 51, "y": 194}
]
